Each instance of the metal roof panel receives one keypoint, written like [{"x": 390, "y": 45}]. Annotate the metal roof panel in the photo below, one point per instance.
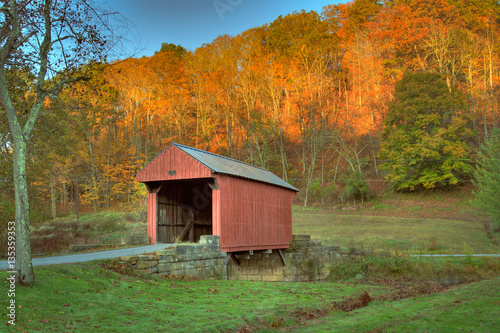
[{"x": 229, "y": 166}]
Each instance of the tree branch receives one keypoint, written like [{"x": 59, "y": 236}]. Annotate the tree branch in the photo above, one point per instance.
[
  {"x": 40, "y": 83},
  {"x": 15, "y": 33}
]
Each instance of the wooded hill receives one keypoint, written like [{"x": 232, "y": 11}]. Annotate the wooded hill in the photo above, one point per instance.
[{"x": 328, "y": 101}]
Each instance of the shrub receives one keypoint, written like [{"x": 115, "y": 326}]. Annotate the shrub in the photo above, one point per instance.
[
  {"x": 321, "y": 192},
  {"x": 109, "y": 224},
  {"x": 381, "y": 207},
  {"x": 357, "y": 188}
]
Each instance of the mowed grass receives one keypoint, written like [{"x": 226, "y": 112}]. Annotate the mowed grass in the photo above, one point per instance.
[
  {"x": 95, "y": 297},
  {"x": 393, "y": 234},
  {"x": 470, "y": 308},
  {"x": 90, "y": 297},
  {"x": 86, "y": 297}
]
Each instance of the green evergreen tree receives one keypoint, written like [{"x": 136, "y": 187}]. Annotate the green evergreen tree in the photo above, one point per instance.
[
  {"x": 487, "y": 178},
  {"x": 177, "y": 50},
  {"x": 424, "y": 140}
]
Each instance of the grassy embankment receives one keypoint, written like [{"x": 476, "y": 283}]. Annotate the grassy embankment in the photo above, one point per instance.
[
  {"x": 100, "y": 297},
  {"x": 402, "y": 293},
  {"x": 110, "y": 227}
]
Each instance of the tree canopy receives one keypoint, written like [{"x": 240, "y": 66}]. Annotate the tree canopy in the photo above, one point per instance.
[
  {"x": 321, "y": 99},
  {"x": 177, "y": 50},
  {"x": 424, "y": 141}
]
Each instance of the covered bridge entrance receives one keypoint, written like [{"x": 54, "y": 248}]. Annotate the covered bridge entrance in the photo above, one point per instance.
[{"x": 194, "y": 192}]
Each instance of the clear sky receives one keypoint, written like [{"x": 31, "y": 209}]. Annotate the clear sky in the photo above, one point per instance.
[{"x": 191, "y": 23}]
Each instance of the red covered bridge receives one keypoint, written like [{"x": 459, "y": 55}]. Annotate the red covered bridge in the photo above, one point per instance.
[{"x": 194, "y": 192}]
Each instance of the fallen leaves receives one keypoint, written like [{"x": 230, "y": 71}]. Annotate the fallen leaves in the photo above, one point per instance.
[{"x": 354, "y": 303}]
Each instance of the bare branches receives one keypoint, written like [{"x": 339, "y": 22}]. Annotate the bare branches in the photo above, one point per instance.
[
  {"x": 42, "y": 43},
  {"x": 49, "y": 39}
]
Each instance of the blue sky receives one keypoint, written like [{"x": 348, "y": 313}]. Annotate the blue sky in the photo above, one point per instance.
[{"x": 191, "y": 23}]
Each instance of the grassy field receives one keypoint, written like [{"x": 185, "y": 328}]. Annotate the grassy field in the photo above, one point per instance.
[
  {"x": 380, "y": 294},
  {"x": 96, "y": 297},
  {"x": 358, "y": 230},
  {"x": 432, "y": 222},
  {"x": 393, "y": 234},
  {"x": 471, "y": 308},
  {"x": 365, "y": 232}
]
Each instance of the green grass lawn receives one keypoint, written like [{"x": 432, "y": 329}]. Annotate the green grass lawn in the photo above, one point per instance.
[
  {"x": 89, "y": 297},
  {"x": 86, "y": 297},
  {"x": 470, "y": 308},
  {"x": 93, "y": 297},
  {"x": 392, "y": 234}
]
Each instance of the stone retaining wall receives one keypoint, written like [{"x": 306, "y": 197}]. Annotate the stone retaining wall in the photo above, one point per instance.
[
  {"x": 203, "y": 260},
  {"x": 305, "y": 260}
]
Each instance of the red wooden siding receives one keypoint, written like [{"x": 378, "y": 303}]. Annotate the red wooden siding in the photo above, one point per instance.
[
  {"x": 252, "y": 215},
  {"x": 246, "y": 214},
  {"x": 216, "y": 212},
  {"x": 172, "y": 159},
  {"x": 152, "y": 218}
]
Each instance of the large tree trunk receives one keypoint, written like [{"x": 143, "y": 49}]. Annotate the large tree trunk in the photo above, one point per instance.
[
  {"x": 28, "y": 33},
  {"x": 24, "y": 266}
]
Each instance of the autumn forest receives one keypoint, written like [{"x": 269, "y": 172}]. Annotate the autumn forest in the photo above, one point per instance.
[{"x": 342, "y": 104}]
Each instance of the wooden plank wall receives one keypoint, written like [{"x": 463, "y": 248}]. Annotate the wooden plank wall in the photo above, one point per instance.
[
  {"x": 152, "y": 218},
  {"x": 172, "y": 159},
  {"x": 176, "y": 200},
  {"x": 247, "y": 215},
  {"x": 253, "y": 215}
]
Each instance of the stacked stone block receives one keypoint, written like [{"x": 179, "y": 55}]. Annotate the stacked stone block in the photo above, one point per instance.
[
  {"x": 203, "y": 260},
  {"x": 306, "y": 260},
  {"x": 260, "y": 267}
]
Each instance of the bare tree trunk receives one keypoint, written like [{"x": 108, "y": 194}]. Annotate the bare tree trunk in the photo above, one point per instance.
[
  {"x": 20, "y": 135},
  {"x": 93, "y": 176},
  {"x": 310, "y": 174},
  {"x": 75, "y": 196},
  {"x": 23, "y": 266},
  {"x": 64, "y": 194},
  {"x": 53, "y": 197}
]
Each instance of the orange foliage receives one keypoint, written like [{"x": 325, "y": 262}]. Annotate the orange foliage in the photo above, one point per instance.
[{"x": 284, "y": 94}]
